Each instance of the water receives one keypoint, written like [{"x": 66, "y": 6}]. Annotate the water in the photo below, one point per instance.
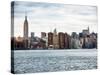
[{"x": 30, "y": 61}]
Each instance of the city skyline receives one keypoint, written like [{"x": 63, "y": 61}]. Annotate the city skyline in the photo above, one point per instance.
[
  {"x": 48, "y": 37},
  {"x": 45, "y": 17}
]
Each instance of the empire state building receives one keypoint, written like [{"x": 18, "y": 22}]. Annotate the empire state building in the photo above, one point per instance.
[{"x": 25, "y": 33}]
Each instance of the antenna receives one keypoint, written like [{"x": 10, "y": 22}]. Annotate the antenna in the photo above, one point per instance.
[{"x": 25, "y": 14}]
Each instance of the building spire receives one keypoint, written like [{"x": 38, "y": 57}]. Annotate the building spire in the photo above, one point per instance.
[
  {"x": 88, "y": 30},
  {"x": 25, "y": 15}
]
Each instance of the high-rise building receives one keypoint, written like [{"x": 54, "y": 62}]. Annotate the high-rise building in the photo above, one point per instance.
[
  {"x": 86, "y": 32},
  {"x": 55, "y": 40},
  {"x": 25, "y": 33},
  {"x": 67, "y": 40},
  {"x": 43, "y": 34},
  {"x": 44, "y": 41},
  {"x": 74, "y": 35},
  {"x": 32, "y": 40},
  {"x": 50, "y": 39},
  {"x": 61, "y": 40},
  {"x": 32, "y": 34}
]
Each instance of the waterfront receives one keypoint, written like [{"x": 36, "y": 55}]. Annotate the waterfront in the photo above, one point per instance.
[{"x": 29, "y": 61}]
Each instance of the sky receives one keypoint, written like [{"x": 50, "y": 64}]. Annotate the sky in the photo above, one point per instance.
[{"x": 45, "y": 17}]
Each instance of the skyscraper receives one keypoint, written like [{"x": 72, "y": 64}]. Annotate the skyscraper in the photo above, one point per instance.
[
  {"x": 50, "y": 39},
  {"x": 43, "y": 34},
  {"x": 55, "y": 40},
  {"x": 45, "y": 39},
  {"x": 85, "y": 32},
  {"x": 67, "y": 40},
  {"x": 61, "y": 40},
  {"x": 25, "y": 32}
]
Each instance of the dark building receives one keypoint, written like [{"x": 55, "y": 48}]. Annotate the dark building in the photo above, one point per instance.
[
  {"x": 74, "y": 35},
  {"x": 19, "y": 43},
  {"x": 61, "y": 38},
  {"x": 44, "y": 40},
  {"x": 85, "y": 32},
  {"x": 50, "y": 39},
  {"x": 80, "y": 35},
  {"x": 32, "y": 40},
  {"x": 67, "y": 40},
  {"x": 43, "y": 34}
]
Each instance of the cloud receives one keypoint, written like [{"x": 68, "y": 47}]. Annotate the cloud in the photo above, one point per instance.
[{"x": 66, "y": 18}]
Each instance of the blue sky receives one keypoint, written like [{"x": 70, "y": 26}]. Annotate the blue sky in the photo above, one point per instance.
[{"x": 44, "y": 17}]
